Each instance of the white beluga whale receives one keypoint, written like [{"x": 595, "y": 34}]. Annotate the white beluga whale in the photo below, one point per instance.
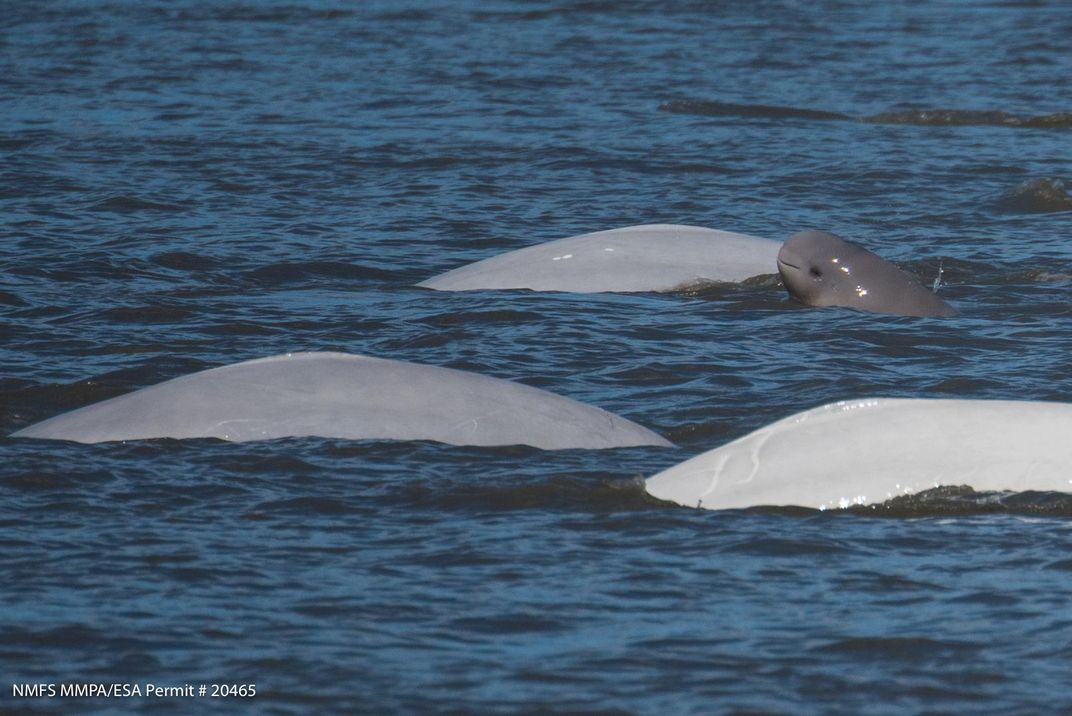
[
  {"x": 338, "y": 395},
  {"x": 822, "y": 269},
  {"x": 866, "y": 451},
  {"x": 654, "y": 257}
]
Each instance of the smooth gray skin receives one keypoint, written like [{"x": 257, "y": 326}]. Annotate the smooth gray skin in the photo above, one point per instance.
[
  {"x": 654, "y": 257},
  {"x": 821, "y": 269},
  {"x": 868, "y": 450},
  {"x": 338, "y": 395}
]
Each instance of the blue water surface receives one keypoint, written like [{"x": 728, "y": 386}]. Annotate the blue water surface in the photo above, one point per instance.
[{"x": 190, "y": 184}]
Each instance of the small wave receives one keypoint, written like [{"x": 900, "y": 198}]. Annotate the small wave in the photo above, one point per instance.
[
  {"x": 315, "y": 505},
  {"x": 963, "y": 500},
  {"x": 406, "y": 15},
  {"x": 281, "y": 119},
  {"x": 185, "y": 261},
  {"x": 516, "y": 623},
  {"x": 712, "y": 108},
  {"x": 176, "y": 116},
  {"x": 1037, "y": 196},
  {"x": 913, "y": 649},
  {"x": 10, "y": 299},
  {"x": 145, "y": 82},
  {"x": 778, "y": 547},
  {"x": 1040, "y": 275},
  {"x": 22, "y": 140},
  {"x": 596, "y": 493},
  {"x": 291, "y": 272},
  {"x": 284, "y": 14},
  {"x": 129, "y": 204},
  {"x": 968, "y": 117},
  {"x": 503, "y": 316},
  {"x": 921, "y": 117},
  {"x": 147, "y": 314},
  {"x": 946, "y": 501}
]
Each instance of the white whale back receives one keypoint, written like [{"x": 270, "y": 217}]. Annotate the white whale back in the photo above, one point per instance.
[
  {"x": 867, "y": 451},
  {"x": 653, "y": 257},
  {"x": 346, "y": 396}
]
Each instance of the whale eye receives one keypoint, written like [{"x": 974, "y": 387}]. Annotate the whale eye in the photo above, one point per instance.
[{"x": 814, "y": 271}]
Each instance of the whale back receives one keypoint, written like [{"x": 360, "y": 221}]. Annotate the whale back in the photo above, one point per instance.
[
  {"x": 338, "y": 395},
  {"x": 870, "y": 450},
  {"x": 821, "y": 269},
  {"x": 655, "y": 257}
]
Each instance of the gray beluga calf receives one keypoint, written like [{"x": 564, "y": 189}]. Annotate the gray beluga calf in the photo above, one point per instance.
[
  {"x": 653, "y": 257},
  {"x": 866, "y": 451},
  {"x": 338, "y": 395},
  {"x": 822, "y": 269}
]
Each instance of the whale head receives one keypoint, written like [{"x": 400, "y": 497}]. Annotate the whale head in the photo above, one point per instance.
[
  {"x": 816, "y": 267},
  {"x": 821, "y": 269}
]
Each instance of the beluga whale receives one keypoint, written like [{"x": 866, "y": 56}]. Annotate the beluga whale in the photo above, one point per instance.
[
  {"x": 822, "y": 269},
  {"x": 339, "y": 395},
  {"x": 866, "y": 451},
  {"x": 650, "y": 257}
]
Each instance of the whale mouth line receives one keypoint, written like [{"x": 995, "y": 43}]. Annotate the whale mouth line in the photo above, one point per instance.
[{"x": 786, "y": 263}]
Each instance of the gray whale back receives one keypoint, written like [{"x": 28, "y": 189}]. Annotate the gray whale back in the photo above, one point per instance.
[
  {"x": 652, "y": 257},
  {"x": 338, "y": 395}
]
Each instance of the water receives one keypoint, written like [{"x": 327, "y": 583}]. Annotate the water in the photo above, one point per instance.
[{"x": 186, "y": 185}]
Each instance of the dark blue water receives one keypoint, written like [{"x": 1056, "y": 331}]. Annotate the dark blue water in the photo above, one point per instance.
[{"x": 190, "y": 184}]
